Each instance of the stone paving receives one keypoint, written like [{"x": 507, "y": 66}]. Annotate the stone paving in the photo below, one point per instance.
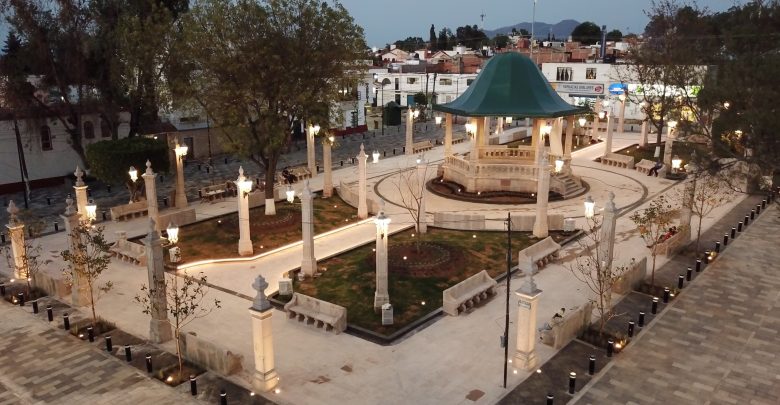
[{"x": 716, "y": 344}]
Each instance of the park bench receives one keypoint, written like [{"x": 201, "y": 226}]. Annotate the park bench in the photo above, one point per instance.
[
  {"x": 214, "y": 192},
  {"x": 297, "y": 173},
  {"x": 458, "y": 139},
  {"x": 468, "y": 293},
  {"x": 129, "y": 211},
  {"x": 321, "y": 314},
  {"x": 645, "y": 165},
  {"x": 617, "y": 160},
  {"x": 422, "y": 146},
  {"x": 540, "y": 253},
  {"x": 129, "y": 251}
]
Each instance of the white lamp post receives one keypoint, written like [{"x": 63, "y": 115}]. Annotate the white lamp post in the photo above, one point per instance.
[
  {"x": 290, "y": 193},
  {"x": 133, "y": 177},
  {"x": 173, "y": 233},
  {"x": 181, "y": 197},
  {"x": 244, "y": 186},
  {"x": 590, "y": 207},
  {"x": 381, "y": 295}
]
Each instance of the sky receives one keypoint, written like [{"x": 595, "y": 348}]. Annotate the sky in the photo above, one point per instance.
[{"x": 387, "y": 21}]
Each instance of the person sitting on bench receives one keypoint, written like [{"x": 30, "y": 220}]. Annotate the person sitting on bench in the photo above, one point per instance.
[{"x": 656, "y": 168}]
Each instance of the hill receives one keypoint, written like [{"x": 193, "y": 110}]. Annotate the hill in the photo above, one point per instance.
[{"x": 561, "y": 29}]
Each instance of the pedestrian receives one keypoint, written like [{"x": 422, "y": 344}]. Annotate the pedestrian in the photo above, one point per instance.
[{"x": 658, "y": 165}]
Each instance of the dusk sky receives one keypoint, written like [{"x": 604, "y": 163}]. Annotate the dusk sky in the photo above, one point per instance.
[{"x": 388, "y": 21}]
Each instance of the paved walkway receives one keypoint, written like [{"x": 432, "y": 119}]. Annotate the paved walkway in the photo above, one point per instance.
[{"x": 717, "y": 343}]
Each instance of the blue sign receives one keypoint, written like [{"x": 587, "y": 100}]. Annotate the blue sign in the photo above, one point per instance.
[{"x": 617, "y": 88}]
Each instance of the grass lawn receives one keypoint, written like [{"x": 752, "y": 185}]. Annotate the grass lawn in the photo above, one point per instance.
[
  {"x": 217, "y": 238},
  {"x": 445, "y": 258},
  {"x": 681, "y": 149}
]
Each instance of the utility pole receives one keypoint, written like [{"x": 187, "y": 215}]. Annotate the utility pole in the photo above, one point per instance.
[
  {"x": 508, "y": 280},
  {"x": 22, "y": 164}
]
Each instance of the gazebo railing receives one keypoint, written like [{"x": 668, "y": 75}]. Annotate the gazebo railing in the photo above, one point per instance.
[{"x": 522, "y": 153}]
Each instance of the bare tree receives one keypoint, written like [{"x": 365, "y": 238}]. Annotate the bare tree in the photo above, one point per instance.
[
  {"x": 89, "y": 256},
  {"x": 652, "y": 223},
  {"x": 184, "y": 296},
  {"x": 411, "y": 188},
  {"x": 596, "y": 271},
  {"x": 703, "y": 193}
]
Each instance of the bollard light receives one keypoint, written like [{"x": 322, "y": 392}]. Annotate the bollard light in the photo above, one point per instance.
[
  {"x": 35, "y": 306},
  {"x": 630, "y": 328},
  {"x": 641, "y": 322},
  {"x": 591, "y": 364},
  {"x": 91, "y": 334},
  {"x": 610, "y": 347},
  {"x": 193, "y": 386},
  {"x": 572, "y": 382},
  {"x": 680, "y": 281},
  {"x": 109, "y": 346},
  {"x": 688, "y": 274},
  {"x": 65, "y": 322},
  {"x": 667, "y": 292},
  {"x": 590, "y": 207},
  {"x": 698, "y": 265},
  {"x": 128, "y": 354},
  {"x": 49, "y": 313},
  {"x": 550, "y": 399},
  {"x": 149, "y": 367}
]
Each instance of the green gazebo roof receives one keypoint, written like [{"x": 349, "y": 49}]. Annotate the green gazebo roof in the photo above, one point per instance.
[{"x": 510, "y": 85}]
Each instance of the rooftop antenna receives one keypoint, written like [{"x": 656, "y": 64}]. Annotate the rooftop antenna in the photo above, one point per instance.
[{"x": 482, "y": 19}]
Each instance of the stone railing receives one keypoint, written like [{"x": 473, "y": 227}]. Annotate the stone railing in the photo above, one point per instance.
[
  {"x": 450, "y": 220},
  {"x": 521, "y": 153},
  {"x": 209, "y": 355},
  {"x": 351, "y": 197},
  {"x": 525, "y": 222},
  {"x": 674, "y": 244},
  {"x": 129, "y": 251},
  {"x": 54, "y": 287},
  {"x": 468, "y": 293},
  {"x": 180, "y": 217},
  {"x": 129, "y": 211},
  {"x": 323, "y": 314},
  {"x": 563, "y": 329}
]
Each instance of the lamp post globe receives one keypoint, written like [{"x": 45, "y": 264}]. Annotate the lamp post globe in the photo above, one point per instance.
[{"x": 590, "y": 207}]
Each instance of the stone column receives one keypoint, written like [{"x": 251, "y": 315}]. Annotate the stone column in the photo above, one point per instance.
[
  {"x": 447, "y": 135},
  {"x": 608, "y": 143},
  {"x": 670, "y": 135},
  {"x": 608, "y": 231},
  {"x": 527, "y": 304},
  {"x": 79, "y": 287},
  {"x": 537, "y": 139},
  {"x": 244, "y": 239},
  {"x": 265, "y": 378},
  {"x": 569, "y": 144},
  {"x": 310, "y": 152},
  {"x": 556, "y": 141},
  {"x": 81, "y": 194},
  {"x": 327, "y": 182},
  {"x": 160, "y": 330},
  {"x": 409, "y": 131},
  {"x": 422, "y": 168},
  {"x": 362, "y": 203},
  {"x": 16, "y": 234},
  {"x": 643, "y": 134},
  {"x": 542, "y": 194},
  {"x": 474, "y": 154},
  {"x": 499, "y": 125},
  {"x": 594, "y": 130},
  {"x": 308, "y": 262},
  {"x": 181, "y": 196},
  {"x": 381, "y": 296},
  {"x": 621, "y": 118},
  {"x": 150, "y": 179},
  {"x": 483, "y": 131}
]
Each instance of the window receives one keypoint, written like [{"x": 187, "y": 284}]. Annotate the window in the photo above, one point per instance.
[
  {"x": 45, "y": 138},
  {"x": 397, "y": 83},
  {"x": 89, "y": 130},
  {"x": 563, "y": 74},
  {"x": 590, "y": 73},
  {"x": 469, "y": 81},
  {"x": 105, "y": 129},
  {"x": 445, "y": 82},
  {"x": 398, "y": 99},
  {"x": 411, "y": 80}
]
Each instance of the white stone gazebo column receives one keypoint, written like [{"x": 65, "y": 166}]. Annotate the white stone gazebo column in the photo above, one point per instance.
[
  {"x": 362, "y": 184},
  {"x": 422, "y": 168},
  {"x": 160, "y": 330},
  {"x": 81, "y": 194},
  {"x": 327, "y": 181},
  {"x": 610, "y": 125},
  {"x": 569, "y": 143},
  {"x": 528, "y": 301},
  {"x": 643, "y": 134},
  {"x": 542, "y": 195},
  {"x": 594, "y": 131},
  {"x": 381, "y": 295},
  {"x": 265, "y": 377},
  {"x": 556, "y": 138},
  {"x": 79, "y": 290},
  {"x": 409, "y": 131},
  {"x": 308, "y": 262},
  {"x": 150, "y": 178},
  {"x": 244, "y": 186},
  {"x": 474, "y": 128},
  {"x": 447, "y": 135},
  {"x": 622, "y": 116},
  {"x": 180, "y": 151},
  {"x": 537, "y": 138},
  {"x": 16, "y": 235}
]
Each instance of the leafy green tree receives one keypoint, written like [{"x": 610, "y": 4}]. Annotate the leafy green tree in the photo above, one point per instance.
[
  {"x": 88, "y": 257},
  {"x": 444, "y": 43},
  {"x": 615, "y": 35},
  {"x": 652, "y": 223},
  {"x": 110, "y": 160},
  {"x": 471, "y": 36},
  {"x": 587, "y": 33},
  {"x": 432, "y": 39},
  {"x": 258, "y": 68},
  {"x": 500, "y": 41},
  {"x": 410, "y": 44}
]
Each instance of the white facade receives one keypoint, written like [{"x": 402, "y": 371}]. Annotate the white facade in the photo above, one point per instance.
[
  {"x": 403, "y": 86},
  {"x": 47, "y": 156}
]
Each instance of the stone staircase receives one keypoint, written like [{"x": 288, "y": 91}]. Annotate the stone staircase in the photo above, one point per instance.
[{"x": 567, "y": 185}]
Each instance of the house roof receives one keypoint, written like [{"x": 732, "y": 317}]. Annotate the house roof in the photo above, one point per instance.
[{"x": 510, "y": 84}]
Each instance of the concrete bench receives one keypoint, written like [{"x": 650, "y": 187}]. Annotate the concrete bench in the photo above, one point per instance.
[
  {"x": 645, "y": 165},
  {"x": 468, "y": 292},
  {"x": 617, "y": 160},
  {"x": 129, "y": 211},
  {"x": 214, "y": 192},
  {"x": 540, "y": 253},
  {"x": 128, "y": 251},
  {"x": 422, "y": 146},
  {"x": 321, "y": 313},
  {"x": 457, "y": 140},
  {"x": 298, "y": 172}
]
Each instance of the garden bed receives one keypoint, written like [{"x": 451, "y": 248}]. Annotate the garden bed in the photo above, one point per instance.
[{"x": 445, "y": 258}]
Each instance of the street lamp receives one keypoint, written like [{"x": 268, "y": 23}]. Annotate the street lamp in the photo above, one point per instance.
[
  {"x": 316, "y": 129},
  {"x": 582, "y": 121},
  {"x": 546, "y": 128},
  {"x": 382, "y": 223},
  {"x": 676, "y": 164},
  {"x": 375, "y": 156},
  {"x": 133, "y": 174},
  {"x": 173, "y": 233},
  {"x": 415, "y": 113},
  {"x": 290, "y": 194},
  {"x": 508, "y": 120},
  {"x": 438, "y": 120},
  {"x": 91, "y": 208},
  {"x": 672, "y": 124},
  {"x": 602, "y": 114},
  {"x": 590, "y": 207},
  {"x": 181, "y": 151},
  {"x": 471, "y": 128},
  {"x": 244, "y": 186},
  {"x": 622, "y": 97},
  {"x": 726, "y": 105}
]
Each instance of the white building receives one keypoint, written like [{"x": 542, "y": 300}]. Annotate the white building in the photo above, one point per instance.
[{"x": 401, "y": 87}]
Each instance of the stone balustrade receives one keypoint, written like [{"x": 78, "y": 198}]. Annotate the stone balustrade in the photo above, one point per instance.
[{"x": 503, "y": 153}]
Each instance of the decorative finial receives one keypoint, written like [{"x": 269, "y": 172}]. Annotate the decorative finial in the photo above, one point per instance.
[
  {"x": 261, "y": 302},
  {"x": 149, "y": 167},
  {"x": 610, "y": 205},
  {"x": 12, "y": 211},
  {"x": 79, "y": 174},
  {"x": 362, "y": 148},
  {"x": 241, "y": 176}
]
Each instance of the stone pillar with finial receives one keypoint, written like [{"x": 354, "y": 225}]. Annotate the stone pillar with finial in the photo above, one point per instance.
[
  {"x": 527, "y": 304},
  {"x": 542, "y": 195},
  {"x": 150, "y": 183},
  {"x": 265, "y": 377},
  {"x": 79, "y": 287},
  {"x": 607, "y": 244},
  {"x": 16, "y": 234},
  {"x": 81, "y": 194},
  {"x": 308, "y": 262},
  {"x": 160, "y": 330},
  {"x": 362, "y": 184}
]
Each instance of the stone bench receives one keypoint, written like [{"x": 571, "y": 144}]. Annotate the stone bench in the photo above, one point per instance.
[
  {"x": 321, "y": 313},
  {"x": 214, "y": 192},
  {"x": 128, "y": 251},
  {"x": 299, "y": 172},
  {"x": 645, "y": 165},
  {"x": 540, "y": 253},
  {"x": 129, "y": 211},
  {"x": 617, "y": 160},
  {"x": 457, "y": 140},
  {"x": 468, "y": 293},
  {"x": 422, "y": 146}
]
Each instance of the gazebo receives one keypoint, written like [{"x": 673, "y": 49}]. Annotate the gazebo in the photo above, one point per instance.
[{"x": 510, "y": 85}]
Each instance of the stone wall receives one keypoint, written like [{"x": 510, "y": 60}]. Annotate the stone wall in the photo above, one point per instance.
[
  {"x": 564, "y": 329},
  {"x": 525, "y": 222},
  {"x": 449, "y": 220},
  {"x": 350, "y": 197},
  {"x": 209, "y": 355},
  {"x": 54, "y": 286},
  {"x": 631, "y": 278}
]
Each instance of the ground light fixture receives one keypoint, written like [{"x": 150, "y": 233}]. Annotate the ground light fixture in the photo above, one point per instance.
[{"x": 590, "y": 207}]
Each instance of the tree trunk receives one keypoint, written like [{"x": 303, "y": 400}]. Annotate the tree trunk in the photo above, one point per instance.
[
  {"x": 178, "y": 353},
  {"x": 92, "y": 305},
  {"x": 698, "y": 235}
]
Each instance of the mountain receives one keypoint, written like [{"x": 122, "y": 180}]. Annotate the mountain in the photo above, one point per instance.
[{"x": 561, "y": 30}]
